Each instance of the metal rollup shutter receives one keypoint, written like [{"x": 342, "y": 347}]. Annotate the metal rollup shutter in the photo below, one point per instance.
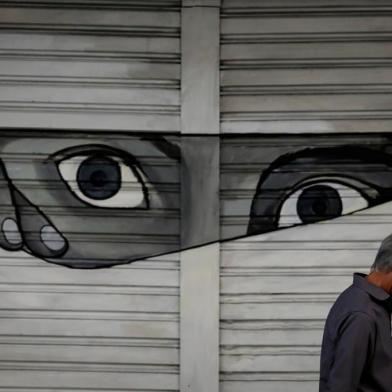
[
  {"x": 304, "y": 67},
  {"x": 90, "y": 65},
  {"x": 293, "y": 73},
  {"x": 101, "y": 66}
]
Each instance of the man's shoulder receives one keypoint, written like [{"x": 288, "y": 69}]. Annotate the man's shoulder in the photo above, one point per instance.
[
  {"x": 353, "y": 299},
  {"x": 352, "y": 302}
]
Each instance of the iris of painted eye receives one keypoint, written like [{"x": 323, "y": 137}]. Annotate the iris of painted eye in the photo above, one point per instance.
[
  {"x": 319, "y": 202},
  {"x": 99, "y": 178},
  {"x": 106, "y": 181}
]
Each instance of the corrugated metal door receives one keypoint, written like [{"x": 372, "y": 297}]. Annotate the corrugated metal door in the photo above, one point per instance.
[
  {"x": 293, "y": 67},
  {"x": 89, "y": 65},
  {"x": 286, "y": 68}
]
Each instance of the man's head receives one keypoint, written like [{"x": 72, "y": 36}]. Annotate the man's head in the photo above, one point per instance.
[
  {"x": 381, "y": 269},
  {"x": 383, "y": 260}
]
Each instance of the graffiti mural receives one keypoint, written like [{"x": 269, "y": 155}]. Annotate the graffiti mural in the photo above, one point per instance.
[
  {"x": 90, "y": 200},
  {"x": 317, "y": 183}
]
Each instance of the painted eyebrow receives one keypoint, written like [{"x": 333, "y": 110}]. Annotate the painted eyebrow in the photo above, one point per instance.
[
  {"x": 171, "y": 150},
  {"x": 364, "y": 154}
]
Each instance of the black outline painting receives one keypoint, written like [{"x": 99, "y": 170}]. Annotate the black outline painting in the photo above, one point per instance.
[{"x": 94, "y": 200}]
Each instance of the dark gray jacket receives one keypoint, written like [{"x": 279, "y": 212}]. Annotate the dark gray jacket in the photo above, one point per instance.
[{"x": 356, "y": 354}]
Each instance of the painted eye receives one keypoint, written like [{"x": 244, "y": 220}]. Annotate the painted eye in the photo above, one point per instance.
[
  {"x": 105, "y": 181},
  {"x": 317, "y": 201}
]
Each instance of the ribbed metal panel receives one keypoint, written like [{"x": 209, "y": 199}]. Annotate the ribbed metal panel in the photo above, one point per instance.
[
  {"x": 90, "y": 65},
  {"x": 301, "y": 66},
  {"x": 102, "y": 66},
  {"x": 304, "y": 68}
]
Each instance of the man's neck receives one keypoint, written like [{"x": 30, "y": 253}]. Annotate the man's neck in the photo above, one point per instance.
[{"x": 381, "y": 279}]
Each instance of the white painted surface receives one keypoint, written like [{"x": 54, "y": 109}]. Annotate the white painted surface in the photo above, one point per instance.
[
  {"x": 200, "y": 70},
  {"x": 120, "y": 70},
  {"x": 199, "y": 310},
  {"x": 74, "y": 329},
  {"x": 295, "y": 67},
  {"x": 199, "y": 300},
  {"x": 276, "y": 291},
  {"x": 90, "y": 67},
  {"x": 99, "y": 65}
]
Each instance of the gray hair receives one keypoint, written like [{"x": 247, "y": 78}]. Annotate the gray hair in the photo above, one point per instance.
[{"x": 383, "y": 260}]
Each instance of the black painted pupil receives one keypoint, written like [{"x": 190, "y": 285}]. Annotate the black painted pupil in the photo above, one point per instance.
[
  {"x": 99, "y": 178},
  {"x": 319, "y": 202}
]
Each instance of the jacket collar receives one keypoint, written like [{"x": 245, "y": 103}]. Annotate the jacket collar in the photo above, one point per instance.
[{"x": 360, "y": 281}]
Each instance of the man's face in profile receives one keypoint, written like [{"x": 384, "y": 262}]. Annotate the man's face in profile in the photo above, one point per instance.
[{"x": 89, "y": 200}]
